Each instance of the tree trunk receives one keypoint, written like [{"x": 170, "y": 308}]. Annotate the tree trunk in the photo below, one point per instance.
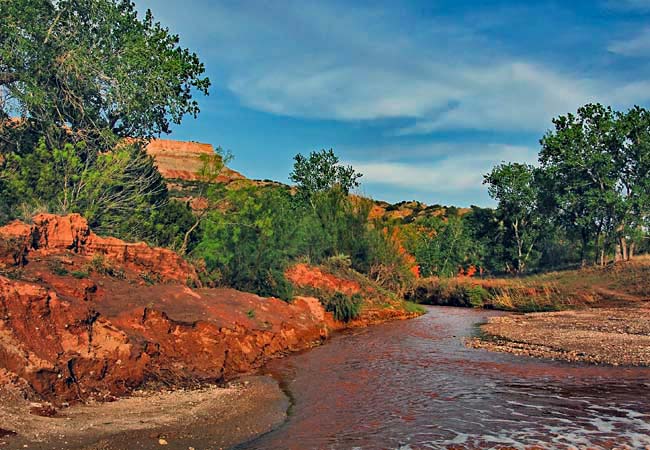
[{"x": 624, "y": 250}]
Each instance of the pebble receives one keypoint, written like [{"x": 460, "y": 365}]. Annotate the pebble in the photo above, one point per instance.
[{"x": 162, "y": 441}]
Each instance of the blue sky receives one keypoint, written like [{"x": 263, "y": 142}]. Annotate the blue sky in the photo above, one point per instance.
[{"x": 422, "y": 97}]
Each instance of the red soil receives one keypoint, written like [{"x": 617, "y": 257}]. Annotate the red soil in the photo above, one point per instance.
[
  {"x": 377, "y": 307},
  {"x": 303, "y": 275},
  {"x": 69, "y": 339}
]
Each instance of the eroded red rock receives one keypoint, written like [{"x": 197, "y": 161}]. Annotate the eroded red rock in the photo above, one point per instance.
[
  {"x": 51, "y": 234},
  {"x": 70, "y": 332}
]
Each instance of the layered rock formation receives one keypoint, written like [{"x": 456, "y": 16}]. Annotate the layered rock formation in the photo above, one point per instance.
[{"x": 182, "y": 160}]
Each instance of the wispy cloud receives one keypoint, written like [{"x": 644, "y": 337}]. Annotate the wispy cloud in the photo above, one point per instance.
[
  {"x": 404, "y": 76},
  {"x": 639, "y": 45},
  {"x": 457, "y": 168},
  {"x": 340, "y": 62}
]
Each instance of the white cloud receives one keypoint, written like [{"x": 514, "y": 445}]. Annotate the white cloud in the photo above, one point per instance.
[
  {"x": 636, "y": 46},
  {"x": 353, "y": 69},
  {"x": 348, "y": 63},
  {"x": 461, "y": 168}
]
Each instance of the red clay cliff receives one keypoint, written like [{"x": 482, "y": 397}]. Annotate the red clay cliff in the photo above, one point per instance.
[{"x": 81, "y": 318}]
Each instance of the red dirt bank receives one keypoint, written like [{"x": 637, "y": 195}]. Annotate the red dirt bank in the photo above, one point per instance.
[
  {"x": 86, "y": 317},
  {"x": 68, "y": 333}
]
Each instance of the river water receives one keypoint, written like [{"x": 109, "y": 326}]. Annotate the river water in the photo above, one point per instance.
[{"x": 414, "y": 385}]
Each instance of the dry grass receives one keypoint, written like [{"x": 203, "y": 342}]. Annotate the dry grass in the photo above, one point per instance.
[{"x": 615, "y": 285}]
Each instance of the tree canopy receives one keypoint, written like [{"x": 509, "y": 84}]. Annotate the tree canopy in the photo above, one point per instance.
[
  {"x": 321, "y": 171},
  {"x": 91, "y": 71}
]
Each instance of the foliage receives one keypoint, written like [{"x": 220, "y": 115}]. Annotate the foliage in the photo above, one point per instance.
[
  {"x": 442, "y": 246},
  {"x": 390, "y": 265},
  {"x": 249, "y": 245},
  {"x": 83, "y": 86},
  {"x": 513, "y": 186},
  {"x": 118, "y": 192},
  {"x": 100, "y": 265},
  {"x": 344, "y": 307},
  {"x": 322, "y": 172},
  {"x": 91, "y": 71}
]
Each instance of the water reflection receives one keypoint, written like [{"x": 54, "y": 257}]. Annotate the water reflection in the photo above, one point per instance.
[{"x": 414, "y": 385}]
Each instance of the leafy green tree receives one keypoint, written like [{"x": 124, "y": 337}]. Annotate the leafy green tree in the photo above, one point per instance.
[
  {"x": 90, "y": 71},
  {"x": 633, "y": 163},
  {"x": 581, "y": 170},
  {"x": 444, "y": 246},
  {"x": 322, "y": 172},
  {"x": 83, "y": 86},
  {"x": 514, "y": 186}
]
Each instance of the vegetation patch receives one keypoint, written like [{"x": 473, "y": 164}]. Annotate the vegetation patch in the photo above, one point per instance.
[{"x": 344, "y": 307}]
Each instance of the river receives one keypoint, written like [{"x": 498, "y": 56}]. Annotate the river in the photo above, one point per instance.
[{"x": 413, "y": 385}]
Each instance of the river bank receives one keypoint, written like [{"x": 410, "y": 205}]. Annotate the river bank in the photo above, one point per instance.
[
  {"x": 209, "y": 417},
  {"x": 612, "y": 336},
  {"x": 86, "y": 320}
]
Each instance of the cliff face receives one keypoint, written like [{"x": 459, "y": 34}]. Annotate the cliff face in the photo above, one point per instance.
[
  {"x": 178, "y": 160},
  {"x": 51, "y": 235},
  {"x": 88, "y": 317}
]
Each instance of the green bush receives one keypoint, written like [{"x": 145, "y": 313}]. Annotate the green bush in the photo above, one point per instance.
[
  {"x": 56, "y": 267},
  {"x": 345, "y": 308},
  {"x": 477, "y": 296},
  {"x": 80, "y": 274}
]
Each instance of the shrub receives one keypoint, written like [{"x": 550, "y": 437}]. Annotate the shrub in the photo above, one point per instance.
[
  {"x": 99, "y": 265},
  {"x": 338, "y": 261},
  {"x": 79, "y": 274},
  {"x": 345, "y": 308},
  {"x": 57, "y": 268},
  {"x": 150, "y": 278},
  {"x": 477, "y": 295}
]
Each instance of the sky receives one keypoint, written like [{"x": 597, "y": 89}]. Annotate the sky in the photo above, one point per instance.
[{"x": 421, "y": 96}]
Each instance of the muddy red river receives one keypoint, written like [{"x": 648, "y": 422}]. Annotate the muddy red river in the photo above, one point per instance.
[{"x": 414, "y": 385}]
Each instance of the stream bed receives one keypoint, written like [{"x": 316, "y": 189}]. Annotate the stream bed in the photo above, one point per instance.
[{"x": 414, "y": 385}]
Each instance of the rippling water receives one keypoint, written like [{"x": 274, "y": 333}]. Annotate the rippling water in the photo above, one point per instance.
[{"x": 414, "y": 385}]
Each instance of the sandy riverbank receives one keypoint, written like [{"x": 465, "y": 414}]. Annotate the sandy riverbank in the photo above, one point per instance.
[
  {"x": 612, "y": 336},
  {"x": 206, "y": 418}
]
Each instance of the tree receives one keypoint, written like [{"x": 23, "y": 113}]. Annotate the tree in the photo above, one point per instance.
[
  {"x": 84, "y": 84},
  {"x": 633, "y": 163},
  {"x": 248, "y": 245},
  {"x": 581, "y": 172},
  {"x": 210, "y": 193},
  {"x": 513, "y": 185},
  {"x": 91, "y": 71},
  {"x": 105, "y": 188},
  {"x": 321, "y": 172}
]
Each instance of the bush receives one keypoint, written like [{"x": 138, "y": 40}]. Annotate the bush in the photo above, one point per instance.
[
  {"x": 477, "y": 296},
  {"x": 80, "y": 274},
  {"x": 345, "y": 308}
]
